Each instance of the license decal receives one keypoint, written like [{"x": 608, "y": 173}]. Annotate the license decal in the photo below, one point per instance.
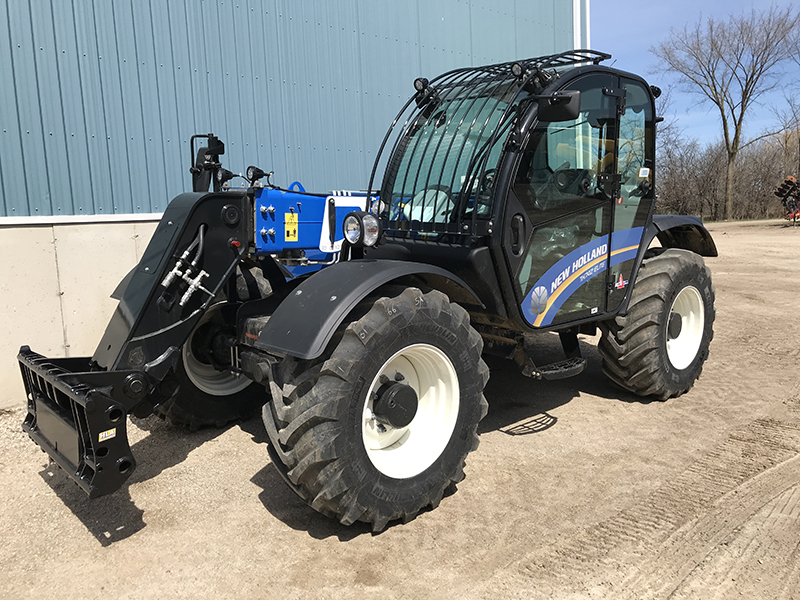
[{"x": 107, "y": 435}]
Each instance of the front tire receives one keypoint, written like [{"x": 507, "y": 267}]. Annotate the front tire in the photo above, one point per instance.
[
  {"x": 335, "y": 441},
  {"x": 203, "y": 395},
  {"x": 659, "y": 347},
  {"x": 198, "y": 394}
]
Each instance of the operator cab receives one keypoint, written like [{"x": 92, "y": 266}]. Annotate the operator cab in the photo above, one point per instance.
[
  {"x": 543, "y": 218},
  {"x": 580, "y": 193}
]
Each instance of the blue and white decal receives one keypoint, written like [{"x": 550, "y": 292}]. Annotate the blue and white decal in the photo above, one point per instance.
[{"x": 564, "y": 278}]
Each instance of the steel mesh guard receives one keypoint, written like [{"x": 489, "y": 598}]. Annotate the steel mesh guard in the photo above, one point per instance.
[{"x": 443, "y": 155}]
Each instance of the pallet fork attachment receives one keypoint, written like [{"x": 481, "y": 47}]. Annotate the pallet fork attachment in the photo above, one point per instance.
[{"x": 79, "y": 418}]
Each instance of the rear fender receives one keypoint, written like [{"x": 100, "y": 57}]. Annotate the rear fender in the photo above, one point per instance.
[
  {"x": 672, "y": 231},
  {"x": 680, "y": 231},
  {"x": 303, "y": 324}
]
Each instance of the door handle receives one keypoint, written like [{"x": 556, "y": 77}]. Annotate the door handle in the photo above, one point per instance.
[{"x": 517, "y": 229}]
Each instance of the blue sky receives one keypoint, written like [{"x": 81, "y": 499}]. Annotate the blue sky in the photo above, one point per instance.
[{"x": 628, "y": 29}]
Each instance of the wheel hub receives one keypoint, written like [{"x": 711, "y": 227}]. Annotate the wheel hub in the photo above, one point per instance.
[
  {"x": 396, "y": 404},
  {"x": 675, "y": 325},
  {"x": 410, "y": 411},
  {"x": 206, "y": 354}
]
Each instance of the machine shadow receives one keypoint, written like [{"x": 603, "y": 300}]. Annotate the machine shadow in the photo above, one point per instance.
[
  {"x": 286, "y": 506},
  {"x": 116, "y": 517},
  {"x": 518, "y": 405}
]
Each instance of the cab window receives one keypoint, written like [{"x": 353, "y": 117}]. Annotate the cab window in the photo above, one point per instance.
[{"x": 560, "y": 163}]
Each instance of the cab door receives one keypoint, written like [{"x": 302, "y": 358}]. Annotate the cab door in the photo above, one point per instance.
[
  {"x": 635, "y": 197},
  {"x": 564, "y": 192}
]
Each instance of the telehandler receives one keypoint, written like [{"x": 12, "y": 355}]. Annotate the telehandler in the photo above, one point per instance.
[{"x": 516, "y": 199}]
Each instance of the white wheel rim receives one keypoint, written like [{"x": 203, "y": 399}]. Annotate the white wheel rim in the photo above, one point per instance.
[
  {"x": 205, "y": 376},
  {"x": 407, "y": 451},
  {"x": 682, "y": 349}
]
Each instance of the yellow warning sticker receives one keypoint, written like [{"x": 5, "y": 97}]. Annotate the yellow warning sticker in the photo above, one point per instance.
[
  {"x": 107, "y": 435},
  {"x": 291, "y": 227}
]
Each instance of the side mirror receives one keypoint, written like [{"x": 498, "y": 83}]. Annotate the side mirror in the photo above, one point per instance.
[{"x": 560, "y": 106}]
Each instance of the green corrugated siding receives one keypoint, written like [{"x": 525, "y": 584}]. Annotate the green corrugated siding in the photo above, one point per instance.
[{"x": 100, "y": 98}]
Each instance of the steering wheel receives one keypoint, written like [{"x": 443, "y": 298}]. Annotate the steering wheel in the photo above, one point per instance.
[
  {"x": 560, "y": 176},
  {"x": 430, "y": 205}
]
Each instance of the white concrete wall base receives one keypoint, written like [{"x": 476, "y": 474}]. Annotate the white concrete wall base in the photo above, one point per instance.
[{"x": 55, "y": 287}]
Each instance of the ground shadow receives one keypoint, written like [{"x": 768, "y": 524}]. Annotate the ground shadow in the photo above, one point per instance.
[
  {"x": 116, "y": 517},
  {"x": 287, "y": 507},
  {"x": 518, "y": 406}
]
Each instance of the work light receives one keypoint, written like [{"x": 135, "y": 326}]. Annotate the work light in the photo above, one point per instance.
[
  {"x": 361, "y": 228},
  {"x": 254, "y": 174}
]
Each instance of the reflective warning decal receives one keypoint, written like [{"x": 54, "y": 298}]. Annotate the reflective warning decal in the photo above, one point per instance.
[
  {"x": 107, "y": 435},
  {"x": 291, "y": 227}
]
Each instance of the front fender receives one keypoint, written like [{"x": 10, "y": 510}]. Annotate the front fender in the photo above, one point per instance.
[{"x": 305, "y": 321}]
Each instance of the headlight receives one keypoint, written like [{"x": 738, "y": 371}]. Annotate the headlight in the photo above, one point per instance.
[
  {"x": 361, "y": 229},
  {"x": 352, "y": 229},
  {"x": 372, "y": 229}
]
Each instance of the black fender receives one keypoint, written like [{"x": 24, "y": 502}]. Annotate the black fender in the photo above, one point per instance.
[
  {"x": 672, "y": 231},
  {"x": 303, "y": 323},
  {"x": 680, "y": 231}
]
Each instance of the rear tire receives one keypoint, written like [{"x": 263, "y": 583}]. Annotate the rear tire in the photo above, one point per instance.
[
  {"x": 337, "y": 454},
  {"x": 659, "y": 347}
]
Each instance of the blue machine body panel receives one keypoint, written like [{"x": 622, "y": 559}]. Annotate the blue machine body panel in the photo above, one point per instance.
[
  {"x": 287, "y": 220},
  {"x": 290, "y": 220}
]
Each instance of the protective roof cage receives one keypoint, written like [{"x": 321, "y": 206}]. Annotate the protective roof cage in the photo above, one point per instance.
[{"x": 440, "y": 171}]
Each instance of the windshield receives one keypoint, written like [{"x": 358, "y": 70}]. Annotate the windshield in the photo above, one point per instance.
[{"x": 441, "y": 167}]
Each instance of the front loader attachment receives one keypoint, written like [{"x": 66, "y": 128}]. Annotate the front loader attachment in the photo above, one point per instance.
[
  {"x": 78, "y": 407},
  {"x": 79, "y": 418}
]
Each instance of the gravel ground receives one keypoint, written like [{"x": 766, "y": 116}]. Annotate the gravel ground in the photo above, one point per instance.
[{"x": 578, "y": 490}]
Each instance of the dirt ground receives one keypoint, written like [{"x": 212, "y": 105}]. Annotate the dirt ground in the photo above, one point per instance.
[{"x": 578, "y": 490}]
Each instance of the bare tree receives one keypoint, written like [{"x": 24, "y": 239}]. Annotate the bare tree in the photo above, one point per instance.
[
  {"x": 732, "y": 64},
  {"x": 789, "y": 117}
]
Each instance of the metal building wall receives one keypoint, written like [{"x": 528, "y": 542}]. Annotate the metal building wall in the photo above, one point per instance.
[{"x": 100, "y": 97}]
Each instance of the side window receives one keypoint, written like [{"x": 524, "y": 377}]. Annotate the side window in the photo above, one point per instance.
[
  {"x": 561, "y": 161},
  {"x": 635, "y": 154}
]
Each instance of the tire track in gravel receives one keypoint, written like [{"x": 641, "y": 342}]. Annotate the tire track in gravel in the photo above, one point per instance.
[
  {"x": 648, "y": 549},
  {"x": 668, "y": 568},
  {"x": 754, "y": 557}
]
